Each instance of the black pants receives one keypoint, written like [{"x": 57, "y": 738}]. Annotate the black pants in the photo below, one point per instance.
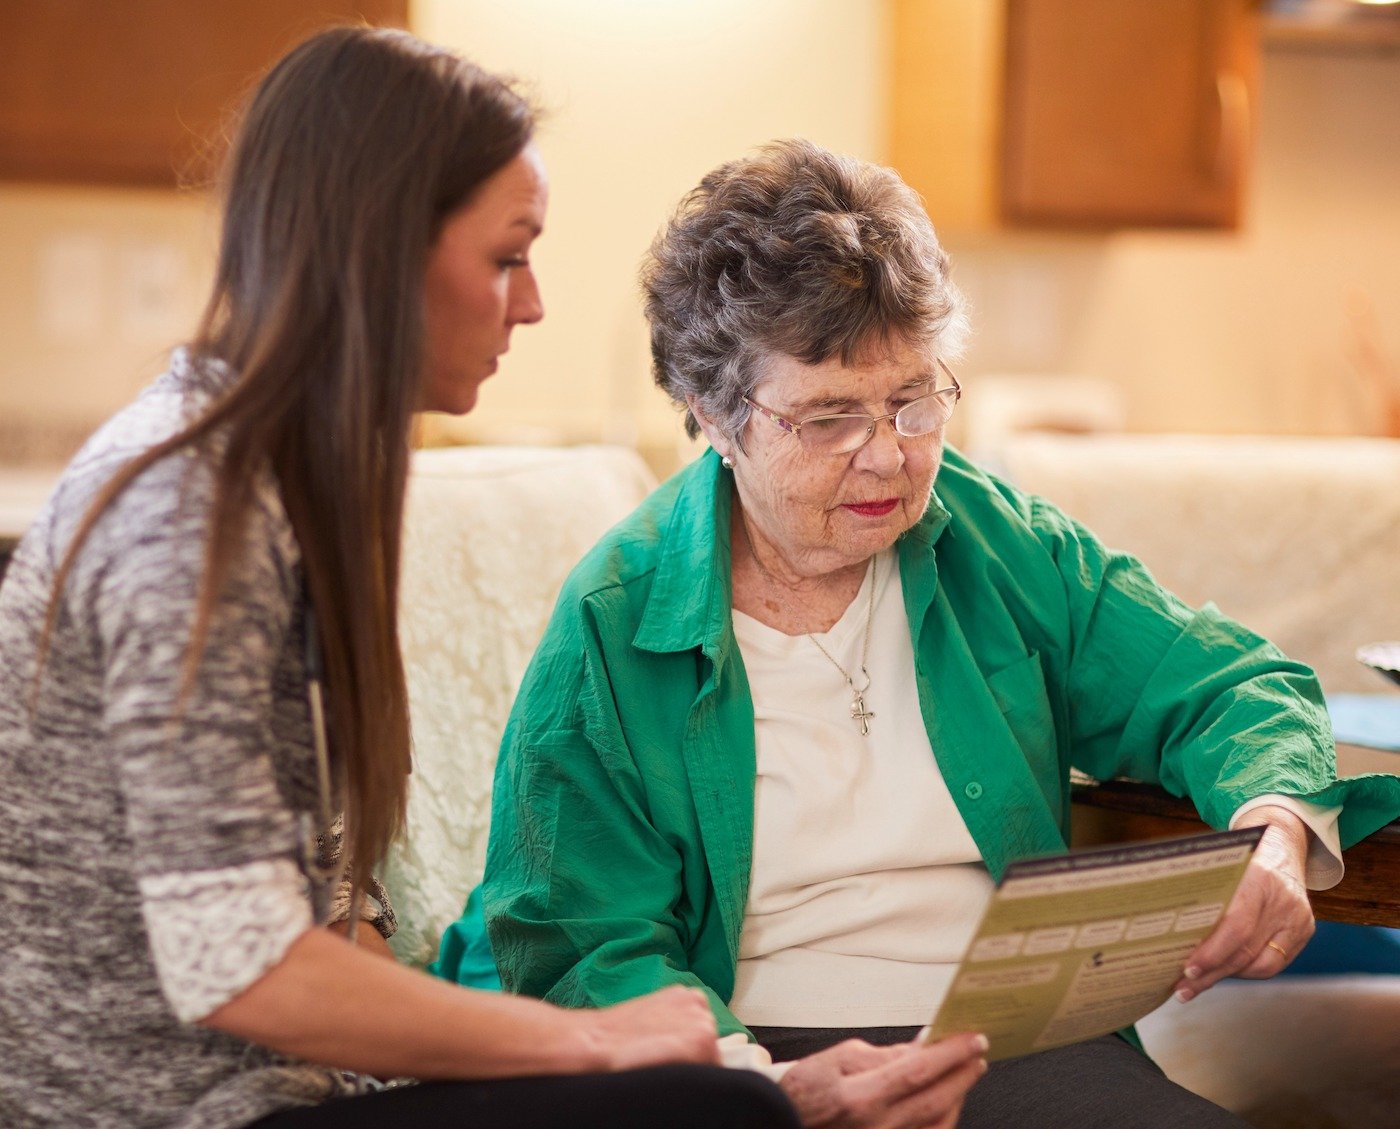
[
  {"x": 1094, "y": 1085},
  {"x": 678, "y": 1097}
]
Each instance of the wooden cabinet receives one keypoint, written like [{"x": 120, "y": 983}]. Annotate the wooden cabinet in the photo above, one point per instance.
[
  {"x": 134, "y": 92},
  {"x": 1127, "y": 113},
  {"x": 1075, "y": 113}
]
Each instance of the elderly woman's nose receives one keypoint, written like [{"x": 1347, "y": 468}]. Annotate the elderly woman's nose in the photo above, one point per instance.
[{"x": 882, "y": 453}]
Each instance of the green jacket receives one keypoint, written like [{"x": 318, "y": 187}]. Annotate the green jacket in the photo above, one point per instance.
[{"x": 622, "y": 820}]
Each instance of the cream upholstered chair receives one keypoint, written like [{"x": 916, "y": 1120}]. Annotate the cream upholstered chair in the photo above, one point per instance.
[{"x": 490, "y": 533}]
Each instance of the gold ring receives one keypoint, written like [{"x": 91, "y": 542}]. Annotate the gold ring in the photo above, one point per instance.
[{"x": 1278, "y": 949}]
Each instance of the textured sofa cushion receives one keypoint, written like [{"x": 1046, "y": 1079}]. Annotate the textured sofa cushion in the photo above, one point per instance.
[{"x": 490, "y": 533}]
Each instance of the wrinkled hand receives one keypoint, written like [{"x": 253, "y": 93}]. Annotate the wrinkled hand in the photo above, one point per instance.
[
  {"x": 672, "y": 1025},
  {"x": 1271, "y": 905},
  {"x": 856, "y": 1086}
]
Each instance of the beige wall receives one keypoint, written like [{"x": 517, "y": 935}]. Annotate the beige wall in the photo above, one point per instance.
[
  {"x": 643, "y": 99},
  {"x": 94, "y": 287},
  {"x": 1247, "y": 331}
]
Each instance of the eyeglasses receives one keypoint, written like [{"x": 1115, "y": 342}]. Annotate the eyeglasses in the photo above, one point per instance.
[{"x": 848, "y": 432}]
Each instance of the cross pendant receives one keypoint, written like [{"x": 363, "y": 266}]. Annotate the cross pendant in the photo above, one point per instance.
[{"x": 861, "y": 714}]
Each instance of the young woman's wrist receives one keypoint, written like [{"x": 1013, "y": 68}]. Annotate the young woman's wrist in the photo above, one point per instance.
[{"x": 581, "y": 1045}]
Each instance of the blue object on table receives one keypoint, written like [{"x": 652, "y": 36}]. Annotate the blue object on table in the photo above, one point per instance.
[
  {"x": 1372, "y": 720},
  {"x": 1337, "y": 949}
]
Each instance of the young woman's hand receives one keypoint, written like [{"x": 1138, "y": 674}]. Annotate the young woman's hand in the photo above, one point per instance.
[
  {"x": 366, "y": 937},
  {"x": 672, "y": 1025},
  {"x": 854, "y": 1085}
]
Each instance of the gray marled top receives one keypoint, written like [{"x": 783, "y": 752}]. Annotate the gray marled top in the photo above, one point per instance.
[{"x": 148, "y": 859}]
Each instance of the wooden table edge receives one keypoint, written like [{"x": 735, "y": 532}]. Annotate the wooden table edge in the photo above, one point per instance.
[{"x": 1121, "y": 811}]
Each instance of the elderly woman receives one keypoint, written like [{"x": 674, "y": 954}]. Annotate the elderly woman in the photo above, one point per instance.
[{"x": 793, "y": 717}]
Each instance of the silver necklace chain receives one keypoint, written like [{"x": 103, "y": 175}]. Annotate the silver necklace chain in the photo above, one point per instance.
[{"x": 858, "y": 711}]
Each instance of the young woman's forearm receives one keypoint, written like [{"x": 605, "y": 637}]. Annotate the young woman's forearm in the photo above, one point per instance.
[
  {"x": 330, "y": 1002},
  {"x": 335, "y": 1003}
]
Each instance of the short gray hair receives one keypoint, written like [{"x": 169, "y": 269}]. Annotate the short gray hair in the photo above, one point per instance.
[{"x": 799, "y": 251}]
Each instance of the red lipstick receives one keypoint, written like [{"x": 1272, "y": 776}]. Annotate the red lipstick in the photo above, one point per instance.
[{"x": 873, "y": 509}]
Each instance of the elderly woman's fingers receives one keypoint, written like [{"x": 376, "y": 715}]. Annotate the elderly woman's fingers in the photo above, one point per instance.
[
  {"x": 1279, "y": 950},
  {"x": 924, "y": 1066},
  {"x": 1276, "y": 955},
  {"x": 1265, "y": 949},
  {"x": 939, "y": 1105},
  {"x": 918, "y": 1090},
  {"x": 1254, "y": 960},
  {"x": 856, "y": 1055},
  {"x": 857, "y": 1086},
  {"x": 1267, "y": 923},
  {"x": 1232, "y": 934}
]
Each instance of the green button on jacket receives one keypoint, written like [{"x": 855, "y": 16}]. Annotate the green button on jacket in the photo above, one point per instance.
[{"x": 622, "y": 821}]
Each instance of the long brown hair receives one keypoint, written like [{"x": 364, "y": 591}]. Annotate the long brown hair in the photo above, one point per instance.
[{"x": 352, "y": 151}]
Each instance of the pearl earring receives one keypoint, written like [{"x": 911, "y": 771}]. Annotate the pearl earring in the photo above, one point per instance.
[{"x": 726, "y": 462}]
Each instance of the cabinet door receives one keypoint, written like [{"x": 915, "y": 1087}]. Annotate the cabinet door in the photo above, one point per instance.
[
  {"x": 133, "y": 92},
  {"x": 1127, "y": 111},
  {"x": 946, "y": 59}
]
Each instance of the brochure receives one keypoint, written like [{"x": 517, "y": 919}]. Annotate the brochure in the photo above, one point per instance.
[{"x": 1077, "y": 945}]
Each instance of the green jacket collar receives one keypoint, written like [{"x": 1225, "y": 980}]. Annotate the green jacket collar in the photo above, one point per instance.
[
  {"x": 690, "y": 599},
  {"x": 689, "y": 604},
  {"x": 918, "y": 569}
]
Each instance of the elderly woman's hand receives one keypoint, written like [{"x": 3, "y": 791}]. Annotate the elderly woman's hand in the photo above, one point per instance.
[
  {"x": 1269, "y": 920},
  {"x": 854, "y": 1085}
]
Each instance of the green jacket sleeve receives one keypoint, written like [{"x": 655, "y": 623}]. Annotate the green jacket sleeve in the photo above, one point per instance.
[
  {"x": 1190, "y": 699},
  {"x": 583, "y": 892}
]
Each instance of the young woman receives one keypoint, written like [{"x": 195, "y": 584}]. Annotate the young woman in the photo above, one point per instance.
[{"x": 204, "y": 736}]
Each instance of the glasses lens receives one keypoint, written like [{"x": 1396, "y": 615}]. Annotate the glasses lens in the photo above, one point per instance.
[
  {"x": 835, "y": 434},
  {"x": 927, "y": 413}
]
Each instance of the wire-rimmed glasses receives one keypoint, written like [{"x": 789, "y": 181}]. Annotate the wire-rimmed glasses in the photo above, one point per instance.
[{"x": 847, "y": 432}]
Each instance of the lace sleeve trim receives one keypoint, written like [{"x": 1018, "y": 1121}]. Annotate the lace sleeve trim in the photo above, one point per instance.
[
  {"x": 214, "y": 932},
  {"x": 375, "y": 909}
]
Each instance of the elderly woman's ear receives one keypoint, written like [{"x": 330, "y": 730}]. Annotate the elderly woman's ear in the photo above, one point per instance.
[{"x": 724, "y": 446}]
